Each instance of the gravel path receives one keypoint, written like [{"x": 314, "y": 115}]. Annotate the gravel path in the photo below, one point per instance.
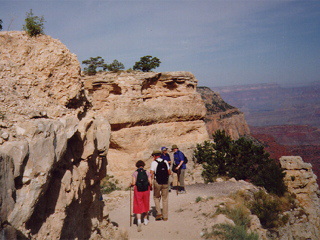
[{"x": 186, "y": 217}]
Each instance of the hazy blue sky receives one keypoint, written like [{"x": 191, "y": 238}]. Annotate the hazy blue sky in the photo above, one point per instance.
[{"x": 220, "y": 42}]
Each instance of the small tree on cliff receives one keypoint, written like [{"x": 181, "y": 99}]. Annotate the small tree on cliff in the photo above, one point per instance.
[
  {"x": 33, "y": 24},
  {"x": 240, "y": 159},
  {"x": 115, "y": 66},
  {"x": 93, "y": 64},
  {"x": 0, "y": 24},
  {"x": 147, "y": 63}
]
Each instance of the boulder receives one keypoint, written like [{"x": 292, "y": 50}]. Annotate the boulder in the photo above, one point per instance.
[{"x": 302, "y": 182}]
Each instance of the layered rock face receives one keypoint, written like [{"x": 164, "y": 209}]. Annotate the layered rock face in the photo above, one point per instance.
[
  {"x": 303, "y": 224},
  {"x": 39, "y": 77},
  {"x": 147, "y": 111},
  {"x": 221, "y": 115},
  {"x": 52, "y": 152}
]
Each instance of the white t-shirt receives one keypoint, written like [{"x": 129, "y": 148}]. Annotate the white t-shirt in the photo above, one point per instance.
[{"x": 154, "y": 164}]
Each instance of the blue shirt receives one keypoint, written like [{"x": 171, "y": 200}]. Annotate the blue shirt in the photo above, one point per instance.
[
  {"x": 178, "y": 156},
  {"x": 166, "y": 157}
]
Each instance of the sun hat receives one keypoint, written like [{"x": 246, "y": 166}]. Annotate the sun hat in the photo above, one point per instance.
[
  {"x": 156, "y": 153},
  {"x": 164, "y": 148},
  {"x": 174, "y": 146}
]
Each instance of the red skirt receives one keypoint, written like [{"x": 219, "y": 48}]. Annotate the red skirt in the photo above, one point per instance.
[{"x": 141, "y": 201}]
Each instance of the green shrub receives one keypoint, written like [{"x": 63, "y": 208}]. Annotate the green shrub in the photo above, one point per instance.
[
  {"x": 204, "y": 152},
  {"x": 214, "y": 156},
  {"x": 239, "y": 214},
  {"x": 147, "y": 63},
  {"x": 109, "y": 184},
  {"x": 269, "y": 209},
  {"x": 230, "y": 232},
  {"x": 270, "y": 176},
  {"x": 241, "y": 159},
  {"x": 199, "y": 199},
  {"x": 115, "y": 66},
  {"x": 33, "y": 24}
]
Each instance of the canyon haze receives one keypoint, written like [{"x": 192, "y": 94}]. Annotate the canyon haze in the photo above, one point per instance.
[{"x": 286, "y": 119}]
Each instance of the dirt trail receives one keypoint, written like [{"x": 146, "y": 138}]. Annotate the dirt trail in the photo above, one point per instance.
[{"x": 186, "y": 217}]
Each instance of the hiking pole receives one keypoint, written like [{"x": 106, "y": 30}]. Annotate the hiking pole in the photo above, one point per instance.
[
  {"x": 130, "y": 207},
  {"x": 178, "y": 183}
]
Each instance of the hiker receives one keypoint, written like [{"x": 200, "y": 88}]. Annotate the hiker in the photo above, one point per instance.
[
  {"x": 165, "y": 156},
  {"x": 141, "y": 180},
  {"x": 160, "y": 172},
  {"x": 179, "y": 167}
]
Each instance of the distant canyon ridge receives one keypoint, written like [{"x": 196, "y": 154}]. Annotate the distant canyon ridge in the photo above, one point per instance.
[{"x": 285, "y": 118}]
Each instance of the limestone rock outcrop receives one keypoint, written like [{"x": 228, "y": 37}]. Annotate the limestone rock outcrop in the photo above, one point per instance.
[
  {"x": 222, "y": 116},
  {"x": 302, "y": 182},
  {"x": 147, "y": 111},
  {"x": 52, "y": 149},
  {"x": 52, "y": 183},
  {"x": 39, "y": 77}
]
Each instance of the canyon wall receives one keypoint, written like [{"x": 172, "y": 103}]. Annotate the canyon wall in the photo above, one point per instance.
[
  {"x": 147, "y": 111},
  {"x": 221, "y": 115}
]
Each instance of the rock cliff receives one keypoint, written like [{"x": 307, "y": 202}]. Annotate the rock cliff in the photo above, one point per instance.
[
  {"x": 147, "y": 111},
  {"x": 221, "y": 115},
  {"x": 52, "y": 150}
]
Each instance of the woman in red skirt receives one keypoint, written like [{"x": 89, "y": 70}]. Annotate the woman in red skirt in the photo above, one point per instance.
[{"x": 141, "y": 180}]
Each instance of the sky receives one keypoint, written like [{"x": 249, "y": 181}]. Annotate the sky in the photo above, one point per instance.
[{"x": 227, "y": 42}]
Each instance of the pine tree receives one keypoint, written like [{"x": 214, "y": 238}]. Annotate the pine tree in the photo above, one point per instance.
[
  {"x": 93, "y": 64},
  {"x": 33, "y": 24},
  {"x": 147, "y": 63}
]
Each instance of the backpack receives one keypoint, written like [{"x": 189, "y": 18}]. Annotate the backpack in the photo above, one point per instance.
[
  {"x": 185, "y": 161},
  {"x": 162, "y": 174},
  {"x": 142, "y": 182}
]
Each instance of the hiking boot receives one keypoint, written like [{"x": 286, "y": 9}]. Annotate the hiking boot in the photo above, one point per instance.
[
  {"x": 182, "y": 192},
  {"x": 158, "y": 217},
  {"x": 139, "y": 228},
  {"x": 165, "y": 219}
]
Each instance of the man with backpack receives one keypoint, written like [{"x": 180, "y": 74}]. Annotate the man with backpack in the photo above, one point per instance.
[
  {"x": 160, "y": 172},
  {"x": 165, "y": 156},
  {"x": 179, "y": 166}
]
